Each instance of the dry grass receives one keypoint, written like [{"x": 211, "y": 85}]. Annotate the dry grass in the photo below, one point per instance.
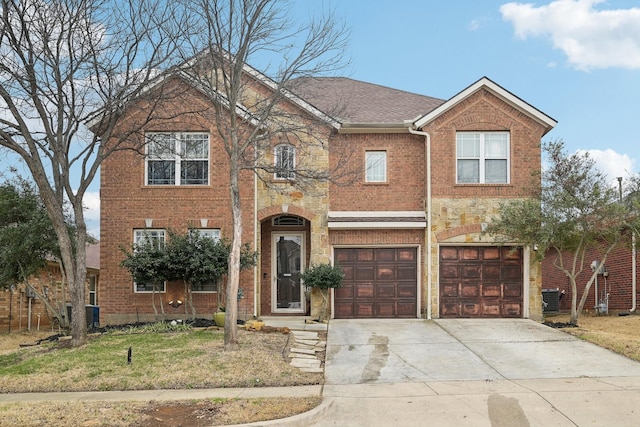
[
  {"x": 178, "y": 360},
  {"x": 215, "y": 412},
  {"x": 620, "y": 334}
]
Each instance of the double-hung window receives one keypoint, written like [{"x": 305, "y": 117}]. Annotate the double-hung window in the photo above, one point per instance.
[
  {"x": 177, "y": 158},
  {"x": 285, "y": 161},
  {"x": 482, "y": 157},
  {"x": 155, "y": 238},
  {"x": 376, "y": 166}
]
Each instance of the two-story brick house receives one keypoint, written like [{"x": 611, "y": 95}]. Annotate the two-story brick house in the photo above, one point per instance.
[{"x": 407, "y": 231}]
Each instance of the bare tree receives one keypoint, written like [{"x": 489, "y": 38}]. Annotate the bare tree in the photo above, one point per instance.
[
  {"x": 576, "y": 209},
  {"x": 253, "y": 112},
  {"x": 68, "y": 66}
]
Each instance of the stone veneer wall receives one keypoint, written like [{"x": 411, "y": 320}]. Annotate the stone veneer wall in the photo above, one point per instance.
[{"x": 459, "y": 221}]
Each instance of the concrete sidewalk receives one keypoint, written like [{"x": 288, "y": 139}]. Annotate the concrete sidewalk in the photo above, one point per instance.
[{"x": 166, "y": 395}]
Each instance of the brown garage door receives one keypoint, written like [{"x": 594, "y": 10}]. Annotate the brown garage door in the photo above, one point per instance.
[
  {"x": 379, "y": 282},
  {"x": 480, "y": 281}
]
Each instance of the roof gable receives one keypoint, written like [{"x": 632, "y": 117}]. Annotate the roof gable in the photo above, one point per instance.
[{"x": 499, "y": 91}]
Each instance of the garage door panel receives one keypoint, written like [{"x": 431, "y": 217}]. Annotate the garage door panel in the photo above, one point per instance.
[
  {"x": 344, "y": 310},
  {"x": 470, "y": 289},
  {"x": 364, "y": 255},
  {"x": 364, "y": 272},
  {"x": 512, "y": 290},
  {"x": 491, "y": 271},
  {"x": 449, "y": 272},
  {"x": 364, "y": 310},
  {"x": 511, "y": 272},
  {"x": 512, "y": 310},
  {"x": 407, "y": 291},
  {"x": 385, "y": 290},
  {"x": 480, "y": 282},
  {"x": 470, "y": 253},
  {"x": 470, "y": 309},
  {"x": 490, "y": 253},
  {"x": 348, "y": 271},
  {"x": 447, "y": 253},
  {"x": 385, "y": 255},
  {"x": 450, "y": 290},
  {"x": 364, "y": 290},
  {"x": 385, "y": 272},
  {"x": 491, "y": 290},
  {"x": 384, "y": 283},
  {"x": 346, "y": 291},
  {"x": 387, "y": 310},
  {"x": 407, "y": 272},
  {"x": 491, "y": 308},
  {"x": 406, "y": 309},
  {"x": 470, "y": 271}
]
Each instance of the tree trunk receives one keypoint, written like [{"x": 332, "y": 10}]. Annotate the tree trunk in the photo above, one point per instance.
[{"x": 231, "y": 316}]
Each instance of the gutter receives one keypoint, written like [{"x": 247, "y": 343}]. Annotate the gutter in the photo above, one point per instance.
[{"x": 427, "y": 149}]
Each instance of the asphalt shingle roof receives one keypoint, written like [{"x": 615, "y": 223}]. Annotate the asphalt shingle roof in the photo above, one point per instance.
[{"x": 356, "y": 102}]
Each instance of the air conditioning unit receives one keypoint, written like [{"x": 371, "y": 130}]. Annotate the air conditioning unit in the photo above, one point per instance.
[{"x": 550, "y": 300}]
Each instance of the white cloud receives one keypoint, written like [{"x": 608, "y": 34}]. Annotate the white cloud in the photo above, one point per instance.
[
  {"x": 92, "y": 212},
  {"x": 591, "y": 38},
  {"x": 611, "y": 163},
  {"x": 91, "y": 205}
]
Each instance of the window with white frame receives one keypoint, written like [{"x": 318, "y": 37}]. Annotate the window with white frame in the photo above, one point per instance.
[
  {"x": 156, "y": 238},
  {"x": 285, "y": 161},
  {"x": 177, "y": 158},
  {"x": 93, "y": 289},
  {"x": 482, "y": 157},
  {"x": 376, "y": 166},
  {"x": 209, "y": 285}
]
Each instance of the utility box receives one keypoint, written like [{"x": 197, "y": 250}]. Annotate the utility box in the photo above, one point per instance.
[
  {"x": 93, "y": 315},
  {"x": 551, "y": 300}
]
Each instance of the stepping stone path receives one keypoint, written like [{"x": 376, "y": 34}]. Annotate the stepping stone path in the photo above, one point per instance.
[{"x": 303, "y": 352}]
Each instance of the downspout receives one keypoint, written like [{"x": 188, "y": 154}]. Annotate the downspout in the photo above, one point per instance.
[
  {"x": 427, "y": 149},
  {"x": 633, "y": 272},
  {"x": 256, "y": 268}
]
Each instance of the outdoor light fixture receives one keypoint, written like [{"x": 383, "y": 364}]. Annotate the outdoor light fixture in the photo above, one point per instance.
[{"x": 175, "y": 303}]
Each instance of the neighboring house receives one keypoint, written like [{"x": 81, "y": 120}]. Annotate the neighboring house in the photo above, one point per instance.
[
  {"x": 614, "y": 287},
  {"x": 21, "y": 309},
  {"x": 407, "y": 232}
]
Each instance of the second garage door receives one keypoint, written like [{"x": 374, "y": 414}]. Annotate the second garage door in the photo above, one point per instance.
[
  {"x": 379, "y": 282},
  {"x": 484, "y": 281}
]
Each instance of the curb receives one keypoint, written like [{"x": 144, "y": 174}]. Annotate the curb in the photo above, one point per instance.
[{"x": 300, "y": 420}]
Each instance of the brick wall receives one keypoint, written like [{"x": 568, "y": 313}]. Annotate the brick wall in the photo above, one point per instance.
[
  {"x": 126, "y": 203},
  {"x": 405, "y": 186},
  {"x": 618, "y": 283}
]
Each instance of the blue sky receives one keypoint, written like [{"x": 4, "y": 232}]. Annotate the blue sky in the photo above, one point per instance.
[{"x": 576, "y": 60}]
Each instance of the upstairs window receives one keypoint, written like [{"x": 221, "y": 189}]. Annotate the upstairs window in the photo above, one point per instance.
[
  {"x": 177, "y": 158},
  {"x": 482, "y": 157},
  {"x": 376, "y": 166},
  {"x": 285, "y": 161}
]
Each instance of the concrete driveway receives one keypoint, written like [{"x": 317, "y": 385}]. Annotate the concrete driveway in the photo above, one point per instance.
[{"x": 489, "y": 372}]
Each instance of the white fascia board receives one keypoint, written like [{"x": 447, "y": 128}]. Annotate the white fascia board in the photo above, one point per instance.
[
  {"x": 336, "y": 225},
  {"x": 496, "y": 89},
  {"x": 374, "y": 214}
]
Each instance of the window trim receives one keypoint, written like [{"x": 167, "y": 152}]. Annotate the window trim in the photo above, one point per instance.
[
  {"x": 136, "y": 241},
  {"x": 482, "y": 158},
  {"x": 281, "y": 173},
  {"x": 177, "y": 158},
  {"x": 369, "y": 179}
]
